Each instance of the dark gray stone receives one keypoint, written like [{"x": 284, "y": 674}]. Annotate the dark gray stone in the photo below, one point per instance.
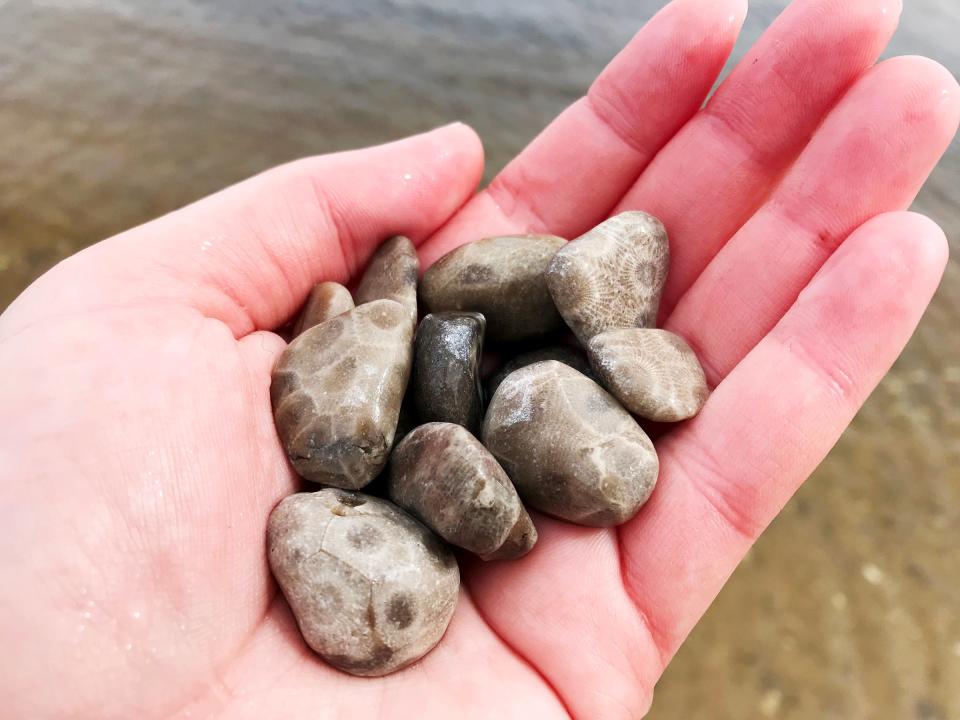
[{"x": 446, "y": 370}]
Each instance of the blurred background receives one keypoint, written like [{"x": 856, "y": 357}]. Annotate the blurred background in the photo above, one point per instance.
[{"x": 115, "y": 111}]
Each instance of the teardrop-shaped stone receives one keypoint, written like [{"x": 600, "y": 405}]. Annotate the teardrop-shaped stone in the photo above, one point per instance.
[
  {"x": 443, "y": 476},
  {"x": 336, "y": 393},
  {"x": 612, "y": 276},
  {"x": 500, "y": 277},
  {"x": 654, "y": 373},
  {"x": 561, "y": 353},
  {"x": 326, "y": 300},
  {"x": 371, "y": 589},
  {"x": 571, "y": 450},
  {"x": 392, "y": 274},
  {"x": 446, "y": 369}
]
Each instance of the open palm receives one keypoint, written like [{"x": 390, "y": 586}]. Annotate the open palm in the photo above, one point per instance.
[{"x": 140, "y": 461}]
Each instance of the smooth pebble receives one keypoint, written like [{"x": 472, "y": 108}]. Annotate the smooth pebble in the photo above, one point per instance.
[
  {"x": 570, "y": 449},
  {"x": 392, "y": 274},
  {"x": 371, "y": 589},
  {"x": 612, "y": 276},
  {"x": 443, "y": 475},
  {"x": 446, "y": 369},
  {"x": 326, "y": 300},
  {"x": 653, "y": 373},
  {"x": 500, "y": 277},
  {"x": 336, "y": 393}
]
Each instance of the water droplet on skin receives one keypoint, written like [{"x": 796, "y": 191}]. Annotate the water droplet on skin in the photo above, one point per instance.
[
  {"x": 87, "y": 614},
  {"x": 136, "y": 614},
  {"x": 128, "y": 647},
  {"x": 205, "y": 245},
  {"x": 407, "y": 177}
]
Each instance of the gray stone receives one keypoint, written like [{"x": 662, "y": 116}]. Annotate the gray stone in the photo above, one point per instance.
[
  {"x": 561, "y": 353},
  {"x": 392, "y": 274},
  {"x": 501, "y": 277},
  {"x": 654, "y": 373},
  {"x": 371, "y": 589},
  {"x": 326, "y": 300},
  {"x": 571, "y": 450},
  {"x": 446, "y": 369},
  {"x": 443, "y": 475},
  {"x": 336, "y": 393},
  {"x": 612, "y": 276}
]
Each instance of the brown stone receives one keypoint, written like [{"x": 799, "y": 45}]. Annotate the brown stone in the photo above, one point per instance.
[
  {"x": 446, "y": 369},
  {"x": 336, "y": 393},
  {"x": 443, "y": 475},
  {"x": 571, "y": 450},
  {"x": 392, "y": 274},
  {"x": 561, "y": 353},
  {"x": 612, "y": 276},
  {"x": 500, "y": 277},
  {"x": 371, "y": 589},
  {"x": 654, "y": 373},
  {"x": 326, "y": 300}
]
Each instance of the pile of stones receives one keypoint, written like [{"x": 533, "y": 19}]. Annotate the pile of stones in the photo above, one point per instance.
[{"x": 451, "y": 449}]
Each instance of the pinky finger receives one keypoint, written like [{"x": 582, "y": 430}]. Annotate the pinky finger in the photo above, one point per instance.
[{"x": 726, "y": 474}]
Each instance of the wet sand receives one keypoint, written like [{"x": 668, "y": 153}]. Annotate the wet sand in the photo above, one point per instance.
[{"x": 114, "y": 112}]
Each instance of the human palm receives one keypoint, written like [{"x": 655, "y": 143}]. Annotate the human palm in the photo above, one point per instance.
[{"x": 139, "y": 452}]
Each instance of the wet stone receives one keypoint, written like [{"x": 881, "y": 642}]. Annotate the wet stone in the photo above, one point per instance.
[
  {"x": 392, "y": 274},
  {"x": 336, "y": 393},
  {"x": 571, "y": 450},
  {"x": 653, "y": 373},
  {"x": 371, "y": 589},
  {"x": 326, "y": 300},
  {"x": 446, "y": 370},
  {"x": 612, "y": 276},
  {"x": 502, "y": 278},
  {"x": 443, "y": 475},
  {"x": 561, "y": 353}
]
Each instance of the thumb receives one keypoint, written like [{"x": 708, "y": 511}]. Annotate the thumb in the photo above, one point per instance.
[{"x": 249, "y": 254}]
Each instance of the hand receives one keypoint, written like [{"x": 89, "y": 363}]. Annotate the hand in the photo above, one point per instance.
[{"x": 138, "y": 447}]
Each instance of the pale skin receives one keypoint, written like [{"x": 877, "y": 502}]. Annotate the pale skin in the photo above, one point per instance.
[{"x": 140, "y": 461}]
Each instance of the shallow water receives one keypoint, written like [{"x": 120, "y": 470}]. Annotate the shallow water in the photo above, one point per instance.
[{"x": 113, "y": 111}]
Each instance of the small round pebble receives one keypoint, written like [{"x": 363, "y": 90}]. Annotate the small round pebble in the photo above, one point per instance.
[
  {"x": 443, "y": 475},
  {"x": 326, "y": 300},
  {"x": 371, "y": 589},
  {"x": 654, "y": 373}
]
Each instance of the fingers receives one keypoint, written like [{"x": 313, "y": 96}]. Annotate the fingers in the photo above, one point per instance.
[
  {"x": 726, "y": 473},
  {"x": 249, "y": 255},
  {"x": 714, "y": 174},
  {"x": 872, "y": 155},
  {"x": 573, "y": 173}
]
